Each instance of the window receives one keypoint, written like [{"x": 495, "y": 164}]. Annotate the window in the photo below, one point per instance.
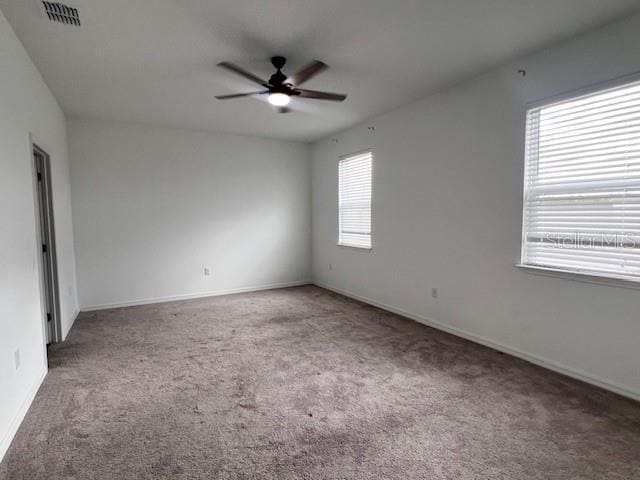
[
  {"x": 582, "y": 184},
  {"x": 354, "y": 200}
]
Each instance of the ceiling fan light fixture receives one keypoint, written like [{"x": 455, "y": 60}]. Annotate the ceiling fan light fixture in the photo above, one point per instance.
[{"x": 279, "y": 99}]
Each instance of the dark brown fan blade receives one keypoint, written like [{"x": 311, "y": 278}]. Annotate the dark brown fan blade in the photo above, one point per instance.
[
  {"x": 240, "y": 95},
  {"x": 236, "y": 69},
  {"x": 307, "y": 72},
  {"x": 334, "y": 97}
]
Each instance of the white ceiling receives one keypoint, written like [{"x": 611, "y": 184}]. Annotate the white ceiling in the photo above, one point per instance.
[{"x": 152, "y": 61}]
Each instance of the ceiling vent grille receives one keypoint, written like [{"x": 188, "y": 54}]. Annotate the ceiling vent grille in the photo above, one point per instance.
[{"x": 61, "y": 13}]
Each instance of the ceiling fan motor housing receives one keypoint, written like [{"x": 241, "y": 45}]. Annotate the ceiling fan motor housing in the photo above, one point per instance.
[{"x": 277, "y": 79}]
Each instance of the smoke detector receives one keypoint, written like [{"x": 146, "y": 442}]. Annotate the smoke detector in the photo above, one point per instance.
[{"x": 61, "y": 13}]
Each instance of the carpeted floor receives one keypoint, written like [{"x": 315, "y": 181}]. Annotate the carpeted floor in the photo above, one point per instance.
[{"x": 301, "y": 383}]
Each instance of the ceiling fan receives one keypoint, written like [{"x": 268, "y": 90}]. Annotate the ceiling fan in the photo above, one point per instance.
[{"x": 280, "y": 88}]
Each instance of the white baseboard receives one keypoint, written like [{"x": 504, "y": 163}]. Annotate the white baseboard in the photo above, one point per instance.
[
  {"x": 188, "y": 296},
  {"x": 74, "y": 315},
  {"x": 19, "y": 416},
  {"x": 542, "y": 362}
]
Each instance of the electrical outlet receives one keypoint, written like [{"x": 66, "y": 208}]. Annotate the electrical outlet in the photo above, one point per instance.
[
  {"x": 434, "y": 293},
  {"x": 16, "y": 358},
  {"x": 207, "y": 271}
]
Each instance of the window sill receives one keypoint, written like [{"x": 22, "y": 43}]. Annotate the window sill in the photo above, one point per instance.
[
  {"x": 584, "y": 277},
  {"x": 362, "y": 249}
]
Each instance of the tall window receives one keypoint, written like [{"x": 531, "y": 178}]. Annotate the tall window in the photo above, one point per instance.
[
  {"x": 354, "y": 200},
  {"x": 582, "y": 184}
]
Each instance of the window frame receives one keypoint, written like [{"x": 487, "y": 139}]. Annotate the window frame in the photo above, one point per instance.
[
  {"x": 584, "y": 276},
  {"x": 340, "y": 159}
]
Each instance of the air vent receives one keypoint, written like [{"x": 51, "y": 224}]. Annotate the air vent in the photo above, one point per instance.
[{"x": 61, "y": 13}]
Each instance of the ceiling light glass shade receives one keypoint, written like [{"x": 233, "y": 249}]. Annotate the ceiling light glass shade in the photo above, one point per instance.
[{"x": 279, "y": 99}]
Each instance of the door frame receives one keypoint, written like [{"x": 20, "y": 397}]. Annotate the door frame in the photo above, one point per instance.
[{"x": 45, "y": 233}]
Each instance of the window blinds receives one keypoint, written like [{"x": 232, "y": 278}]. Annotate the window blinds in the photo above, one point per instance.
[
  {"x": 354, "y": 200},
  {"x": 582, "y": 184}
]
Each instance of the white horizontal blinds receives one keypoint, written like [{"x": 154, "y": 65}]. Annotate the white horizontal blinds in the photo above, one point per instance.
[
  {"x": 582, "y": 184},
  {"x": 354, "y": 200}
]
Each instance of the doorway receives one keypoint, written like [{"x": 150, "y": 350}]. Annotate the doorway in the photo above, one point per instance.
[{"x": 47, "y": 241}]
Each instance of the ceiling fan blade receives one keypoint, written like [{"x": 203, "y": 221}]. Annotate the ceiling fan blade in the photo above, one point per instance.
[
  {"x": 307, "y": 72},
  {"x": 240, "y": 71},
  {"x": 240, "y": 95},
  {"x": 334, "y": 97}
]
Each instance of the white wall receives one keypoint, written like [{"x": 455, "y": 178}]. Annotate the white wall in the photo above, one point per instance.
[
  {"x": 153, "y": 206},
  {"x": 447, "y": 213},
  {"x": 27, "y": 107}
]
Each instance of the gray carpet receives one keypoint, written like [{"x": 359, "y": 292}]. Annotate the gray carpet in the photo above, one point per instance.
[{"x": 301, "y": 383}]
